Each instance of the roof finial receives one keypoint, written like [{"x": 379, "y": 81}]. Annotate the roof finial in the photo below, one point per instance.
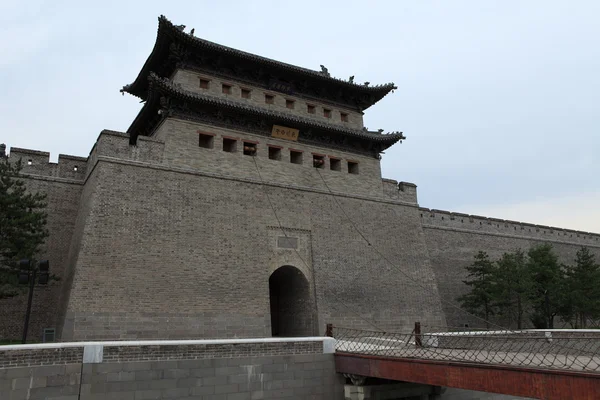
[
  {"x": 180, "y": 27},
  {"x": 2, "y": 150},
  {"x": 324, "y": 71},
  {"x": 192, "y": 32},
  {"x": 351, "y": 80},
  {"x": 367, "y": 83}
]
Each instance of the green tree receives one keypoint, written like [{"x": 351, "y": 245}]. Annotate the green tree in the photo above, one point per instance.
[
  {"x": 479, "y": 300},
  {"x": 22, "y": 224},
  {"x": 547, "y": 286},
  {"x": 512, "y": 287},
  {"x": 582, "y": 288}
]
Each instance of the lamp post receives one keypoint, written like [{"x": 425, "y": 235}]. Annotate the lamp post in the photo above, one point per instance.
[{"x": 28, "y": 275}]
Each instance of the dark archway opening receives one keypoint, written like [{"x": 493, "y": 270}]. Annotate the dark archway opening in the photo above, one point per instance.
[{"x": 291, "y": 305}]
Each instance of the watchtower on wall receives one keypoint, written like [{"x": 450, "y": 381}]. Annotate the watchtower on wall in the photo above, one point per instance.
[
  {"x": 230, "y": 207},
  {"x": 246, "y": 200},
  {"x": 241, "y": 103}
]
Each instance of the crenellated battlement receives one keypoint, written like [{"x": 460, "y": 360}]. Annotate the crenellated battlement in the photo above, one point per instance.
[
  {"x": 465, "y": 222},
  {"x": 38, "y": 163},
  {"x": 117, "y": 145},
  {"x": 404, "y": 191}
]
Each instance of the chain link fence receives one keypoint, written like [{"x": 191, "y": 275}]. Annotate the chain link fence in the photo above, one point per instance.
[{"x": 577, "y": 350}]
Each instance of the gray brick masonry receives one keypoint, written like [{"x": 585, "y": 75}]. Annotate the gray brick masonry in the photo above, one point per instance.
[{"x": 268, "y": 369}]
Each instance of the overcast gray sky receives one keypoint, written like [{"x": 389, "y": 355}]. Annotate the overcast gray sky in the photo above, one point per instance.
[{"x": 500, "y": 100}]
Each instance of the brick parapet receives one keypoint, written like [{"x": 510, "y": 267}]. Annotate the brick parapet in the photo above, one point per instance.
[
  {"x": 404, "y": 191},
  {"x": 37, "y": 163},
  {"x": 131, "y": 351},
  {"x": 13, "y": 356},
  {"x": 202, "y": 351},
  {"x": 447, "y": 220},
  {"x": 116, "y": 145}
]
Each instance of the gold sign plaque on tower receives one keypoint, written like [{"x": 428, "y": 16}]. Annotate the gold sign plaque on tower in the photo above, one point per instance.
[{"x": 283, "y": 132}]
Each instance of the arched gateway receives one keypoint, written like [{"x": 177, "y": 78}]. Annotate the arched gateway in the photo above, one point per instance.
[{"x": 291, "y": 303}]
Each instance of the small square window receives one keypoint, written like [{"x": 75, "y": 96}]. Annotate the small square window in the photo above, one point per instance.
[
  {"x": 245, "y": 93},
  {"x": 206, "y": 140},
  {"x": 249, "y": 149},
  {"x": 269, "y": 99},
  {"x": 318, "y": 161},
  {"x": 289, "y": 104},
  {"x": 326, "y": 113},
  {"x": 274, "y": 153},
  {"x": 204, "y": 83},
  {"x": 335, "y": 164},
  {"x": 352, "y": 167},
  {"x": 295, "y": 157},
  {"x": 226, "y": 89},
  {"x": 229, "y": 145},
  {"x": 344, "y": 117},
  {"x": 311, "y": 109}
]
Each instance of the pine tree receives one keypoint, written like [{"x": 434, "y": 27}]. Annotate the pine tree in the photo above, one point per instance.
[
  {"x": 22, "y": 224},
  {"x": 513, "y": 287},
  {"x": 583, "y": 288},
  {"x": 547, "y": 286},
  {"x": 479, "y": 300}
]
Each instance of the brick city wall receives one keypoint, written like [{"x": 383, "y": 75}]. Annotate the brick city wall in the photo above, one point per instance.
[
  {"x": 62, "y": 182},
  {"x": 453, "y": 239},
  {"x": 229, "y": 370},
  {"x": 198, "y": 225},
  {"x": 208, "y": 245}
]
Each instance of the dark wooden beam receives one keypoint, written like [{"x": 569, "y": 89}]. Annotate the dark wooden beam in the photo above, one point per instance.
[{"x": 537, "y": 383}]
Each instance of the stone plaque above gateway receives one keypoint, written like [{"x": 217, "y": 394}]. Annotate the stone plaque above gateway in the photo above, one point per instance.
[
  {"x": 283, "y": 132},
  {"x": 287, "y": 242}
]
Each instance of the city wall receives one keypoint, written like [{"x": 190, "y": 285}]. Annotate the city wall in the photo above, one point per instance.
[
  {"x": 453, "y": 239},
  {"x": 210, "y": 244},
  {"x": 66, "y": 185},
  {"x": 203, "y": 215},
  {"x": 225, "y": 369},
  {"x": 73, "y": 190},
  {"x": 62, "y": 182}
]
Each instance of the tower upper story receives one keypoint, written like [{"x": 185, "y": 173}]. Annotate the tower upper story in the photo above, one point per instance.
[{"x": 233, "y": 102}]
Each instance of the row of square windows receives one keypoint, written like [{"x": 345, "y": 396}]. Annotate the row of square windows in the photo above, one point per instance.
[
  {"x": 250, "y": 148},
  {"x": 270, "y": 99}
]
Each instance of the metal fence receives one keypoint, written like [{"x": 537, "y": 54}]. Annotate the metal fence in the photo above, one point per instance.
[{"x": 555, "y": 349}]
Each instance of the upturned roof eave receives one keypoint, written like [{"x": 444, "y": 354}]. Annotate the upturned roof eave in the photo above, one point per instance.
[{"x": 167, "y": 29}]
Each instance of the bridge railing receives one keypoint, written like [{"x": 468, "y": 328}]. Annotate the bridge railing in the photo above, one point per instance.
[{"x": 565, "y": 350}]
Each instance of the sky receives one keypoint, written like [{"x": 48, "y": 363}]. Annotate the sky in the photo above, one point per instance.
[{"x": 499, "y": 100}]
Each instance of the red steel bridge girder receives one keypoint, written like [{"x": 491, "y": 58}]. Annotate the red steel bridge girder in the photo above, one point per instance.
[{"x": 537, "y": 383}]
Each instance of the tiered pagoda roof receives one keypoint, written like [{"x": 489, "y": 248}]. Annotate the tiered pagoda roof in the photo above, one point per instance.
[{"x": 176, "y": 49}]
